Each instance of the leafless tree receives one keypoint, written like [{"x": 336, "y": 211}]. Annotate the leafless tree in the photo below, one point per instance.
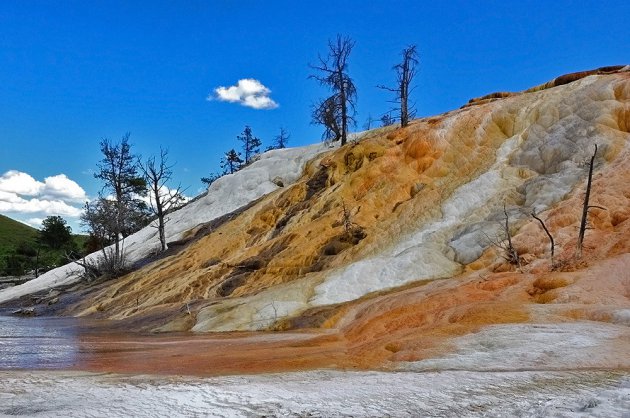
[
  {"x": 368, "y": 122},
  {"x": 280, "y": 141},
  {"x": 337, "y": 111},
  {"x": 100, "y": 218},
  {"x": 551, "y": 242},
  {"x": 162, "y": 199},
  {"x": 326, "y": 113},
  {"x": 405, "y": 73},
  {"x": 586, "y": 206},
  {"x": 504, "y": 242},
  {"x": 119, "y": 211}
]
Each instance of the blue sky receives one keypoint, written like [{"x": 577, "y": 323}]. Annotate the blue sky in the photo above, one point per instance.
[{"x": 73, "y": 72}]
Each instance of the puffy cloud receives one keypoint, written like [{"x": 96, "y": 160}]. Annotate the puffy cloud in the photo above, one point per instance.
[
  {"x": 165, "y": 192},
  {"x": 248, "y": 92},
  {"x": 14, "y": 181},
  {"x": 60, "y": 186},
  {"x": 34, "y": 222},
  {"x": 21, "y": 194},
  {"x": 9, "y": 197},
  {"x": 41, "y": 206}
]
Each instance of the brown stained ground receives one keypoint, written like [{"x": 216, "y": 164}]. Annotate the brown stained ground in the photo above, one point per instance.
[
  {"x": 208, "y": 355},
  {"x": 413, "y": 324}
]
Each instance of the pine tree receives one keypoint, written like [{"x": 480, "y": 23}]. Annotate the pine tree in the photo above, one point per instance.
[
  {"x": 251, "y": 144},
  {"x": 231, "y": 161}
]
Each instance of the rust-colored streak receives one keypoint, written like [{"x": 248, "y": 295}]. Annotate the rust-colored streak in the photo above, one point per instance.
[{"x": 207, "y": 355}]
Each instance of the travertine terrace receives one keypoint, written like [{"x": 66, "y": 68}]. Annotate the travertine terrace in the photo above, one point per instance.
[{"x": 385, "y": 246}]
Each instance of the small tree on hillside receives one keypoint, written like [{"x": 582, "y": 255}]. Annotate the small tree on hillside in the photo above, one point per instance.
[
  {"x": 405, "y": 72},
  {"x": 369, "y": 122},
  {"x": 119, "y": 211},
  {"x": 231, "y": 162},
  {"x": 337, "y": 111},
  {"x": 387, "y": 120},
  {"x": 212, "y": 177},
  {"x": 55, "y": 233},
  {"x": 326, "y": 113},
  {"x": 251, "y": 144},
  {"x": 100, "y": 218},
  {"x": 161, "y": 199},
  {"x": 280, "y": 141}
]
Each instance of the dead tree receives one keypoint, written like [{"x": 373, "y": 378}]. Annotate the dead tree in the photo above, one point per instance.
[
  {"x": 125, "y": 211},
  {"x": 512, "y": 254},
  {"x": 586, "y": 206},
  {"x": 368, "y": 122},
  {"x": 157, "y": 174},
  {"x": 405, "y": 73},
  {"x": 334, "y": 75},
  {"x": 551, "y": 242},
  {"x": 504, "y": 243},
  {"x": 326, "y": 113},
  {"x": 280, "y": 141}
]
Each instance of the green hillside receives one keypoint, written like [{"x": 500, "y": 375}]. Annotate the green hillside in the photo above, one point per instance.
[
  {"x": 19, "y": 249},
  {"x": 12, "y": 233}
]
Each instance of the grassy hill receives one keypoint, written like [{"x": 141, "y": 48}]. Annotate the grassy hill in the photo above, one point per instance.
[
  {"x": 16, "y": 237},
  {"x": 12, "y": 233}
]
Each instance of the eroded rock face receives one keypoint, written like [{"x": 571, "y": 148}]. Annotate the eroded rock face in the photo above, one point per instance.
[{"x": 429, "y": 202}]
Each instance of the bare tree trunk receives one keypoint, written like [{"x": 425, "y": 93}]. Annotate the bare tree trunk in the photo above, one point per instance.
[
  {"x": 585, "y": 207},
  {"x": 344, "y": 113},
  {"x": 512, "y": 253},
  {"x": 404, "y": 112},
  {"x": 37, "y": 264},
  {"x": 161, "y": 232},
  {"x": 552, "y": 245}
]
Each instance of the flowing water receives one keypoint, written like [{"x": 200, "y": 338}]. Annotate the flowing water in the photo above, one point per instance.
[
  {"x": 38, "y": 343},
  {"x": 43, "y": 363}
]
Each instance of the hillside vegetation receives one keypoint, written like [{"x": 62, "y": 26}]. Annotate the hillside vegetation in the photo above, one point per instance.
[
  {"x": 19, "y": 244},
  {"x": 12, "y": 233}
]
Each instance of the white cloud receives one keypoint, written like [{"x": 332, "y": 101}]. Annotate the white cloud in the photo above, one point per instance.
[
  {"x": 60, "y": 186},
  {"x": 41, "y": 206},
  {"x": 14, "y": 181},
  {"x": 9, "y": 197},
  {"x": 34, "y": 222},
  {"x": 248, "y": 92},
  {"x": 21, "y": 194},
  {"x": 165, "y": 192}
]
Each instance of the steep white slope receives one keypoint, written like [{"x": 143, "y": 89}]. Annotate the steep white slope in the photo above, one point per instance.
[{"x": 225, "y": 195}]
